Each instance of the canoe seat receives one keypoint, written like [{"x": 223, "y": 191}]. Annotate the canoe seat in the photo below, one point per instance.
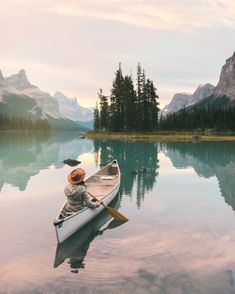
[
  {"x": 102, "y": 183},
  {"x": 99, "y": 184},
  {"x": 99, "y": 189}
]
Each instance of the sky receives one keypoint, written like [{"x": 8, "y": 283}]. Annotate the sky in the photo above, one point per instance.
[{"x": 75, "y": 46}]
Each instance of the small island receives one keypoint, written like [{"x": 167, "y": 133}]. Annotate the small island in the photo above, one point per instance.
[{"x": 131, "y": 112}]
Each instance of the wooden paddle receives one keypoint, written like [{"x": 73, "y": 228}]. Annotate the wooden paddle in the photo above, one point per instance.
[
  {"x": 112, "y": 225},
  {"x": 113, "y": 212}
]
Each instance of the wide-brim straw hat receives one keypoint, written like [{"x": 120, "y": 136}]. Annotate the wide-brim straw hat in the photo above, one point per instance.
[{"x": 76, "y": 176}]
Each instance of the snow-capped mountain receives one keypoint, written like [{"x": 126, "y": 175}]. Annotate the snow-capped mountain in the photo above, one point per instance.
[
  {"x": 71, "y": 109},
  {"x": 18, "y": 84},
  {"x": 18, "y": 96}
]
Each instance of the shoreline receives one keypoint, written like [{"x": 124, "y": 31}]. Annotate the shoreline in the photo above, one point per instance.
[{"x": 159, "y": 136}]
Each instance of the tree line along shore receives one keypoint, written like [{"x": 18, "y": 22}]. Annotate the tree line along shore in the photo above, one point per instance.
[
  {"x": 161, "y": 136},
  {"x": 135, "y": 108},
  {"x": 19, "y": 123},
  {"x": 132, "y": 111}
]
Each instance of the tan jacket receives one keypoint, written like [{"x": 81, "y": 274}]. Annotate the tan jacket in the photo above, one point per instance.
[{"x": 77, "y": 199}]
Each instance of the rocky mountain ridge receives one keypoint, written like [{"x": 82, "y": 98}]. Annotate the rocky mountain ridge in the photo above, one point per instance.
[
  {"x": 219, "y": 97},
  {"x": 178, "y": 101},
  {"x": 71, "y": 109},
  {"x": 18, "y": 84},
  {"x": 18, "y": 96},
  {"x": 181, "y": 100},
  {"x": 226, "y": 84}
]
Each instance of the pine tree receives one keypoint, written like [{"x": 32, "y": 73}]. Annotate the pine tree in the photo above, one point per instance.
[
  {"x": 104, "y": 111},
  {"x": 154, "y": 107},
  {"x": 140, "y": 98},
  {"x": 116, "y": 102},
  {"x": 130, "y": 105},
  {"x": 96, "y": 118},
  {"x": 129, "y": 110}
]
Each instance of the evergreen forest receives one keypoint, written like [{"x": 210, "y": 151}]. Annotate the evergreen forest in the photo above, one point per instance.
[
  {"x": 135, "y": 108},
  {"x": 16, "y": 123},
  {"x": 199, "y": 118},
  {"x": 129, "y": 107}
]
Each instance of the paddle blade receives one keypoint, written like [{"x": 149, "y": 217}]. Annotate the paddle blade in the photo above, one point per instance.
[
  {"x": 114, "y": 224},
  {"x": 116, "y": 214}
]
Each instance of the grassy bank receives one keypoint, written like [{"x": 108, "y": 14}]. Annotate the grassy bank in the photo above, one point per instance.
[{"x": 160, "y": 136}]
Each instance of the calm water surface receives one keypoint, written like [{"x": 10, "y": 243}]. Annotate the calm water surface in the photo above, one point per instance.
[{"x": 179, "y": 197}]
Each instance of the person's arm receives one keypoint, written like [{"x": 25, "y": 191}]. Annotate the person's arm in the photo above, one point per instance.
[{"x": 87, "y": 200}]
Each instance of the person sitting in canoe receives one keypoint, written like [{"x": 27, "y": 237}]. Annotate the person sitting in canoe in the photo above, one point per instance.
[{"x": 75, "y": 191}]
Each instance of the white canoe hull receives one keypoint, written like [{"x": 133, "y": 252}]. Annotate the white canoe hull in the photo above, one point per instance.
[
  {"x": 66, "y": 227},
  {"x": 79, "y": 242}
]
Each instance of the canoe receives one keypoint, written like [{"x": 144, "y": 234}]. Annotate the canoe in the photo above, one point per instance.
[
  {"x": 76, "y": 246},
  {"x": 104, "y": 185}
]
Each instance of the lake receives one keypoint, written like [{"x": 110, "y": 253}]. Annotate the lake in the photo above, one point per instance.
[{"x": 179, "y": 197}]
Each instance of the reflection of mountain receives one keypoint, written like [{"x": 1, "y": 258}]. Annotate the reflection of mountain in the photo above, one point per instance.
[
  {"x": 208, "y": 159},
  {"x": 24, "y": 155},
  {"x": 75, "y": 247},
  {"x": 138, "y": 162}
]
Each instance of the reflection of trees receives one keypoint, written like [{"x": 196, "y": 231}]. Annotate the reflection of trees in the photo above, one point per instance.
[
  {"x": 208, "y": 159},
  {"x": 16, "y": 149},
  {"x": 25, "y": 155},
  {"x": 138, "y": 162}
]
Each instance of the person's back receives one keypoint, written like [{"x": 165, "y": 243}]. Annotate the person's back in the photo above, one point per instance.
[{"x": 75, "y": 191}]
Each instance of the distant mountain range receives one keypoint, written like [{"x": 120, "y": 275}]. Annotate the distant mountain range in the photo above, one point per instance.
[
  {"x": 223, "y": 95},
  {"x": 19, "y": 97},
  {"x": 181, "y": 100},
  {"x": 70, "y": 109}
]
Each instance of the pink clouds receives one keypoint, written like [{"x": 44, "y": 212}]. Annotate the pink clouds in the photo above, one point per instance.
[{"x": 75, "y": 46}]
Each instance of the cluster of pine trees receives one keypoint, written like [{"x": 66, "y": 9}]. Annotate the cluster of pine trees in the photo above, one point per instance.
[
  {"x": 200, "y": 118},
  {"x": 127, "y": 108},
  {"x": 16, "y": 123}
]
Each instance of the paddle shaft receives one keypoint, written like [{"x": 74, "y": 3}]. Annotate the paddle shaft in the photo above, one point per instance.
[
  {"x": 114, "y": 213},
  {"x": 96, "y": 199}
]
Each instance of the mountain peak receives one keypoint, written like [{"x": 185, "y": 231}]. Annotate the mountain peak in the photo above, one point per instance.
[
  {"x": 22, "y": 73},
  {"x": 19, "y": 81},
  {"x": 178, "y": 101},
  {"x": 181, "y": 100},
  {"x": 202, "y": 91},
  {"x": 1, "y": 78},
  {"x": 226, "y": 85},
  {"x": 70, "y": 108}
]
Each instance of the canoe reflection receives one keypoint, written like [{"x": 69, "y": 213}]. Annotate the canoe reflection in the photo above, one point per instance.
[{"x": 75, "y": 247}]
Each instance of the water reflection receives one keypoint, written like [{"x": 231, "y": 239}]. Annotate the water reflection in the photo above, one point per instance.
[
  {"x": 208, "y": 159},
  {"x": 23, "y": 156},
  {"x": 75, "y": 248},
  {"x": 138, "y": 162},
  {"x": 184, "y": 241}
]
